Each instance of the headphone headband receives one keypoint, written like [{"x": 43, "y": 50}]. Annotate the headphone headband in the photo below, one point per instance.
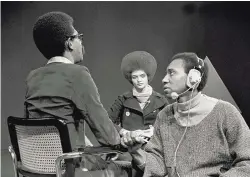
[{"x": 200, "y": 65}]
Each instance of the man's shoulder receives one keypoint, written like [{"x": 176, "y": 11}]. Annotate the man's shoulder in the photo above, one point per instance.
[
  {"x": 70, "y": 70},
  {"x": 34, "y": 71},
  {"x": 166, "y": 112},
  {"x": 78, "y": 68},
  {"x": 74, "y": 69},
  {"x": 61, "y": 66},
  {"x": 227, "y": 108},
  {"x": 80, "y": 74},
  {"x": 225, "y": 103}
]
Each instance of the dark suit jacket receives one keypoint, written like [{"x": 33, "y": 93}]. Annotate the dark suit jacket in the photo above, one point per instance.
[{"x": 68, "y": 91}]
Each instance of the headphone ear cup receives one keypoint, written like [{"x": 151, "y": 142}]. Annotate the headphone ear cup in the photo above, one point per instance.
[{"x": 194, "y": 76}]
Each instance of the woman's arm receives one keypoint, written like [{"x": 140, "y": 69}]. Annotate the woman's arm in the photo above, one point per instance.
[{"x": 115, "y": 113}]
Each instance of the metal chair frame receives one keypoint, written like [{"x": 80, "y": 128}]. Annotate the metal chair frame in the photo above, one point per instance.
[{"x": 62, "y": 127}]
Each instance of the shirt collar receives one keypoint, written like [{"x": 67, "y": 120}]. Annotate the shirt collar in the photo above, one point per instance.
[{"x": 60, "y": 60}]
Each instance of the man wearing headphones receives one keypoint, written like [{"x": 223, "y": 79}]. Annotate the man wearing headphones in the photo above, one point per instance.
[{"x": 197, "y": 135}]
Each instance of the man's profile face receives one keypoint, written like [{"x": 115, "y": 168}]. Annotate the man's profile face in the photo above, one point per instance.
[
  {"x": 175, "y": 78},
  {"x": 78, "y": 48}
]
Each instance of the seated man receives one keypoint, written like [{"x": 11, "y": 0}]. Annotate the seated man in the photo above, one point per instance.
[
  {"x": 62, "y": 89},
  {"x": 197, "y": 135}
]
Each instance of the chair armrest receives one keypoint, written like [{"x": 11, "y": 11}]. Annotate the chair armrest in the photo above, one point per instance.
[
  {"x": 85, "y": 151},
  {"x": 62, "y": 157},
  {"x": 102, "y": 150}
]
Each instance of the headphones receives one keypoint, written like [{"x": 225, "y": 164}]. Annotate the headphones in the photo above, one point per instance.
[
  {"x": 193, "y": 78},
  {"x": 195, "y": 75}
]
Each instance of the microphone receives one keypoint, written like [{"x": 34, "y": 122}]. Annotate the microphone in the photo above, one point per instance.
[{"x": 175, "y": 95}]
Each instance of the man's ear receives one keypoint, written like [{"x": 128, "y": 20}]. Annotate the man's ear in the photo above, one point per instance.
[{"x": 68, "y": 45}]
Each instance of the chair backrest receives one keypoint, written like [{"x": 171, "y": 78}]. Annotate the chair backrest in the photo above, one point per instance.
[{"x": 38, "y": 142}]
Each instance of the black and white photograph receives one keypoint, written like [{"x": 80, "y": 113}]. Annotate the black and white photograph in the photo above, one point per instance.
[{"x": 125, "y": 88}]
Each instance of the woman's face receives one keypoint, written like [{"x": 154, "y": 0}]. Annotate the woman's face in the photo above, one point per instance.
[{"x": 139, "y": 79}]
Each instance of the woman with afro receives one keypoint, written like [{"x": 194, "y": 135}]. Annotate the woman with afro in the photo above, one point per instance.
[{"x": 135, "y": 111}]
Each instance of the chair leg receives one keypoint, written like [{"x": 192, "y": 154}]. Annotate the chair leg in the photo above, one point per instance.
[{"x": 14, "y": 160}]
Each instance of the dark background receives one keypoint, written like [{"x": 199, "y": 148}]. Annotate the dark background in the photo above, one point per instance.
[{"x": 219, "y": 30}]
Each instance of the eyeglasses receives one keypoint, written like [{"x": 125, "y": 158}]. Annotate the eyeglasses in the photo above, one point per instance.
[{"x": 79, "y": 36}]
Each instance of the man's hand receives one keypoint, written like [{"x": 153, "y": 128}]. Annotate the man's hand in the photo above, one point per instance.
[
  {"x": 133, "y": 147},
  {"x": 132, "y": 137},
  {"x": 129, "y": 138}
]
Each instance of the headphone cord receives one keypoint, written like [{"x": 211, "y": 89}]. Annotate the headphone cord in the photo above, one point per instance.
[{"x": 175, "y": 154}]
